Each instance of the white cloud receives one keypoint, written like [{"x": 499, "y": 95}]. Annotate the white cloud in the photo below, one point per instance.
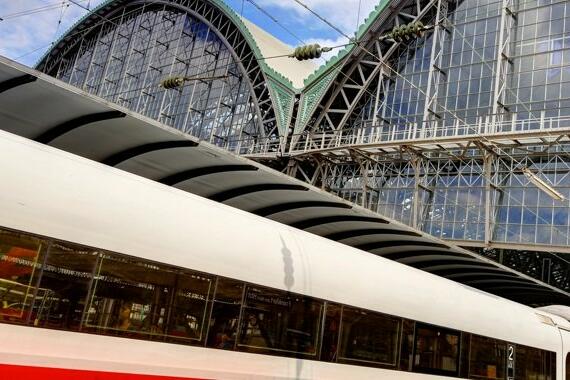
[
  {"x": 342, "y": 14},
  {"x": 26, "y": 37}
]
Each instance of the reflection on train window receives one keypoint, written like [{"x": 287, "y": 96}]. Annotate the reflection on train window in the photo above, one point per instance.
[
  {"x": 330, "y": 333},
  {"x": 369, "y": 337},
  {"x": 225, "y": 314},
  {"x": 64, "y": 285},
  {"x": 20, "y": 259},
  {"x": 487, "y": 359},
  {"x": 534, "y": 364},
  {"x": 280, "y": 321},
  {"x": 436, "y": 350},
  {"x": 139, "y": 299}
]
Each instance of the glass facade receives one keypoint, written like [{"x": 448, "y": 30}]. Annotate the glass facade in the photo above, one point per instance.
[
  {"x": 125, "y": 60},
  {"x": 472, "y": 193},
  {"x": 535, "y": 79}
]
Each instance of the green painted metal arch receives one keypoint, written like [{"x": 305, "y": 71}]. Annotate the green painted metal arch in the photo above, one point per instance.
[
  {"x": 281, "y": 90},
  {"x": 107, "y": 5}
]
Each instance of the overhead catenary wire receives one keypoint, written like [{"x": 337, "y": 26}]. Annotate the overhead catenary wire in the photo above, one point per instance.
[
  {"x": 33, "y": 11},
  {"x": 63, "y": 9},
  {"x": 277, "y": 22}
]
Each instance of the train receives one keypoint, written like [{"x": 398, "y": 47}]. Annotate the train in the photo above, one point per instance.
[{"x": 108, "y": 275}]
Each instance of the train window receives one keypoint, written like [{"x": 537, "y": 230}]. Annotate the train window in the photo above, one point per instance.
[
  {"x": 20, "y": 259},
  {"x": 487, "y": 358},
  {"x": 139, "y": 299},
  {"x": 64, "y": 285},
  {"x": 369, "y": 337},
  {"x": 330, "y": 334},
  {"x": 533, "y": 364},
  {"x": 225, "y": 314},
  {"x": 280, "y": 322},
  {"x": 436, "y": 350},
  {"x": 568, "y": 366}
]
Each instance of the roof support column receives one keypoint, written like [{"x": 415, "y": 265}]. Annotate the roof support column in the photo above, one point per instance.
[
  {"x": 419, "y": 207},
  {"x": 487, "y": 166},
  {"x": 416, "y": 163},
  {"x": 504, "y": 62},
  {"x": 431, "y": 116},
  {"x": 493, "y": 192},
  {"x": 379, "y": 116}
]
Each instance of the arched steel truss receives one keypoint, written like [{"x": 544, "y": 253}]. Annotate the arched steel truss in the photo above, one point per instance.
[
  {"x": 365, "y": 69},
  {"x": 219, "y": 19}
]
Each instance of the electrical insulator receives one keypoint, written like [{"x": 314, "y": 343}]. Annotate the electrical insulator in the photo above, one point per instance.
[
  {"x": 172, "y": 82},
  {"x": 406, "y": 32},
  {"x": 312, "y": 51},
  {"x": 419, "y": 28}
]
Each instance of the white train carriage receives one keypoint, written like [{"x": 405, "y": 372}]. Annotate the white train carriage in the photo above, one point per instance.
[{"x": 106, "y": 275}]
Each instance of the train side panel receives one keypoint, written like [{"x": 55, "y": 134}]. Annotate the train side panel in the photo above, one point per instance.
[{"x": 37, "y": 349}]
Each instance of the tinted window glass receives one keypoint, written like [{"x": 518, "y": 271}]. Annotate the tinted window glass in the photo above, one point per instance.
[
  {"x": 139, "y": 299},
  {"x": 280, "y": 321},
  {"x": 464, "y": 355},
  {"x": 568, "y": 366},
  {"x": 225, "y": 314},
  {"x": 369, "y": 337},
  {"x": 407, "y": 345},
  {"x": 487, "y": 358},
  {"x": 64, "y": 284},
  {"x": 533, "y": 364},
  {"x": 20, "y": 260},
  {"x": 436, "y": 350}
]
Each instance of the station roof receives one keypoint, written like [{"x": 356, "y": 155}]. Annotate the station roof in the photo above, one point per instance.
[{"x": 44, "y": 109}]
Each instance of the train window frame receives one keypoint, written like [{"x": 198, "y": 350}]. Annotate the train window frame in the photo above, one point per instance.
[
  {"x": 341, "y": 353},
  {"x": 137, "y": 310},
  {"x": 21, "y": 309},
  {"x": 545, "y": 359},
  {"x": 278, "y": 298},
  {"x": 436, "y": 371},
  {"x": 479, "y": 341}
]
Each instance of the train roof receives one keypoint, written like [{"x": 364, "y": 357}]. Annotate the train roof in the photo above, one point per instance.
[{"x": 60, "y": 195}]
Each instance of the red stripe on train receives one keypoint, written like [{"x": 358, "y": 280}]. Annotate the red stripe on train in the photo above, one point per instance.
[{"x": 19, "y": 372}]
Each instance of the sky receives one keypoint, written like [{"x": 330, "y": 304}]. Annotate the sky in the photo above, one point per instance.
[{"x": 28, "y": 28}]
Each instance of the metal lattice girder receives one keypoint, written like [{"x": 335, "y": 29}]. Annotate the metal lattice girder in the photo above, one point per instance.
[
  {"x": 431, "y": 114},
  {"x": 504, "y": 61},
  {"x": 426, "y": 174}
]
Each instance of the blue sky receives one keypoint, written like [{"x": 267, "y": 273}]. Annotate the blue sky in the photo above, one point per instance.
[{"x": 29, "y": 27}]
